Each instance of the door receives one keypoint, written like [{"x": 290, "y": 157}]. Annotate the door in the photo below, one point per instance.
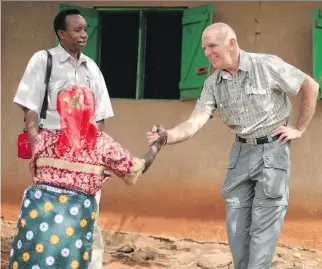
[
  {"x": 195, "y": 67},
  {"x": 317, "y": 48}
]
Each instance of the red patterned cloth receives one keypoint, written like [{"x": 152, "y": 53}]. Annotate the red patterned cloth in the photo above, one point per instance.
[
  {"x": 79, "y": 169},
  {"x": 76, "y": 108},
  {"x": 76, "y": 156}
]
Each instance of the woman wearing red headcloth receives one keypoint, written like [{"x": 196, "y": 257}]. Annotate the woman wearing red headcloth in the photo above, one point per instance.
[{"x": 58, "y": 211}]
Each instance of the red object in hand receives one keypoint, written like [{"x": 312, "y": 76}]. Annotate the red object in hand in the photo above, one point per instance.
[
  {"x": 23, "y": 144},
  {"x": 24, "y": 148}
]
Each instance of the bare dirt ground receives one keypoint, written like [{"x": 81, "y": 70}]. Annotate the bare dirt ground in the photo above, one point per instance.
[{"x": 126, "y": 250}]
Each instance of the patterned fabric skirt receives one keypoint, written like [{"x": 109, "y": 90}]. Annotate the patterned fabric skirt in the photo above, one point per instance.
[{"x": 54, "y": 229}]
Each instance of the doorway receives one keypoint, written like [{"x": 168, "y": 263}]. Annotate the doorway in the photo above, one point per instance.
[{"x": 141, "y": 53}]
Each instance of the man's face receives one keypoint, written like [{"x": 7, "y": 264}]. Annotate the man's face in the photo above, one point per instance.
[
  {"x": 75, "y": 36},
  {"x": 217, "y": 49}
]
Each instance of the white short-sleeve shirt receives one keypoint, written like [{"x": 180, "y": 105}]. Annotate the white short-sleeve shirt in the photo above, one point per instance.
[{"x": 66, "y": 71}]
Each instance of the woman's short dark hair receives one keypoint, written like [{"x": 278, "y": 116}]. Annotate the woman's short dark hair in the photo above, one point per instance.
[{"x": 60, "y": 19}]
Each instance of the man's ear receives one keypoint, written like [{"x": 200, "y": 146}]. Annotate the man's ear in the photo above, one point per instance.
[
  {"x": 61, "y": 34},
  {"x": 232, "y": 43}
]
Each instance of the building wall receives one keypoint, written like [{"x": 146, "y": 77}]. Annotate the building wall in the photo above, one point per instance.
[{"x": 179, "y": 196}]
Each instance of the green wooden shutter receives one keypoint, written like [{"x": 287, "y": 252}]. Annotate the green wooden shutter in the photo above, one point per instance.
[
  {"x": 92, "y": 18},
  {"x": 317, "y": 48},
  {"x": 195, "y": 67}
]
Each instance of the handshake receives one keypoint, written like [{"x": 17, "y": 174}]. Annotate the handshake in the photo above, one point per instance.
[{"x": 158, "y": 136}]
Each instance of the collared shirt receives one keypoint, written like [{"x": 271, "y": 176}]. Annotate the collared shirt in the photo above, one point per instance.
[
  {"x": 253, "y": 102},
  {"x": 66, "y": 71}
]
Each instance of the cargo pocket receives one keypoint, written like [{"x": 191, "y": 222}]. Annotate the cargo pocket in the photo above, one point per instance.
[
  {"x": 276, "y": 163},
  {"x": 233, "y": 157}
]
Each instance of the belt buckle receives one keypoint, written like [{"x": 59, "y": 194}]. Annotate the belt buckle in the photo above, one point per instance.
[{"x": 251, "y": 141}]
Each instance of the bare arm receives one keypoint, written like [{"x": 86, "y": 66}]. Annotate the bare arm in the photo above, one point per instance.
[
  {"x": 100, "y": 125},
  {"x": 121, "y": 163},
  {"x": 183, "y": 131},
  {"x": 309, "y": 90},
  {"x": 189, "y": 128},
  {"x": 31, "y": 123},
  {"x": 292, "y": 80},
  {"x": 150, "y": 155}
]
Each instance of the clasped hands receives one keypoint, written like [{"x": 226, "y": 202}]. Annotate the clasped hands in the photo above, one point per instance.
[{"x": 157, "y": 135}]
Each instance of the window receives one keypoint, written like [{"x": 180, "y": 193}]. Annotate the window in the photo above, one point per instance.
[{"x": 149, "y": 53}]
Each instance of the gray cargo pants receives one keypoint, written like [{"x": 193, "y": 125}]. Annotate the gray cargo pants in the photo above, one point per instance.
[{"x": 256, "y": 192}]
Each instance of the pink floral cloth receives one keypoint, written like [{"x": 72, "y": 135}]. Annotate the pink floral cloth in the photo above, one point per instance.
[{"x": 78, "y": 169}]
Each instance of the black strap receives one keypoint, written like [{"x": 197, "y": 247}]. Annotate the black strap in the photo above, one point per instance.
[
  {"x": 260, "y": 140},
  {"x": 44, "y": 108}
]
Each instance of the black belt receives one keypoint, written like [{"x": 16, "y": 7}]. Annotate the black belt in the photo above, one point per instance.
[{"x": 259, "y": 140}]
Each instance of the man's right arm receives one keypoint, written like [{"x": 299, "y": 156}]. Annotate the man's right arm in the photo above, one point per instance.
[
  {"x": 31, "y": 92},
  {"x": 183, "y": 131},
  {"x": 205, "y": 108},
  {"x": 31, "y": 124},
  {"x": 189, "y": 128}
]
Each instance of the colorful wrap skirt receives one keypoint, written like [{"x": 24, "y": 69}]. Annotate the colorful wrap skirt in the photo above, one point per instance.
[{"x": 54, "y": 229}]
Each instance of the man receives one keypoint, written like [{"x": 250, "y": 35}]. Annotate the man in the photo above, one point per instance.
[
  {"x": 70, "y": 67},
  {"x": 249, "y": 91}
]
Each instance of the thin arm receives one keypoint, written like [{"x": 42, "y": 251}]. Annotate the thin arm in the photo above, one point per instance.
[
  {"x": 31, "y": 123},
  {"x": 100, "y": 125},
  {"x": 309, "y": 90},
  {"x": 189, "y": 128}
]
